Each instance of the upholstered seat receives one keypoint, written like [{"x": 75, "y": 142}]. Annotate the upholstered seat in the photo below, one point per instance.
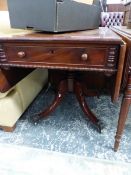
[
  {"x": 111, "y": 19},
  {"x": 16, "y": 100}
]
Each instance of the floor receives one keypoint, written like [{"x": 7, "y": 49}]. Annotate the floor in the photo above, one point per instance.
[
  {"x": 21, "y": 160},
  {"x": 68, "y": 131}
]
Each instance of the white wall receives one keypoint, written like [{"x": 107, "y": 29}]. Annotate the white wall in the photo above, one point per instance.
[{"x": 115, "y": 1}]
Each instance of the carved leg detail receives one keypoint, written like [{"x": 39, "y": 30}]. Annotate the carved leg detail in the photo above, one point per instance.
[
  {"x": 62, "y": 89},
  {"x": 80, "y": 96},
  {"x": 126, "y": 102}
]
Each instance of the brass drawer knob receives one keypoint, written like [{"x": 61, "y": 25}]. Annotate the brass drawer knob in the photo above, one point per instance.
[
  {"x": 21, "y": 54},
  {"x": 84, "y": 56}
]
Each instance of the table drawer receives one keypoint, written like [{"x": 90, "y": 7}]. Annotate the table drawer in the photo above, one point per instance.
[{"x": 90, "y": 56}]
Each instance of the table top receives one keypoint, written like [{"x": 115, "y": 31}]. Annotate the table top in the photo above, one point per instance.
[
  {"x": 100, "y": 44},
  {"x": 125, "y": 33},
  {"x": 123, "y": 30},
  {"x": 97, "y": 35}
]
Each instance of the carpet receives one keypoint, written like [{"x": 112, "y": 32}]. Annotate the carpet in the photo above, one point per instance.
[
  {"x": 21, "y": 160},
  {"x": 68, "y": 131}
]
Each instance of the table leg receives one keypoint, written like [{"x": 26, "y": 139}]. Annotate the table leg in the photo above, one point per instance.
[
  {"x": 62, "y": 89},
  {"x": 81, "y": 99},
  {"x": 123, "y": 114}
]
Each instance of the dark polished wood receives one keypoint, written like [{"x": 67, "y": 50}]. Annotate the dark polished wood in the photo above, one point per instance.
[
  {"x": 70, "y": 83},
  {"x": 126, "y": 102},
  {"x": 10, "y": 76},
  {"x": 99, "y": 50},
  {"x": 61, "y": 91},
  {"x": 125, "y": 33},
  {"x": 78, "y": 89}
]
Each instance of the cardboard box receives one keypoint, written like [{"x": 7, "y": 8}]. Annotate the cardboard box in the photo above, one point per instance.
[{"x": 54, "y": 15}]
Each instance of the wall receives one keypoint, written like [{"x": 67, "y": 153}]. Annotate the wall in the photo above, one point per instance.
[
  {"x": 115, "y": 8},
  {"x": 117, "y": 1},
  {"x": 3, "y": 4}
]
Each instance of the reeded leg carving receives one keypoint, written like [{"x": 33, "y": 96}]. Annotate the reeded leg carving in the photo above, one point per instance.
[
  {"x": 123, "y": 114},
  {"x": 81, "y": 99},
  {"x": 62, "y": 89}
]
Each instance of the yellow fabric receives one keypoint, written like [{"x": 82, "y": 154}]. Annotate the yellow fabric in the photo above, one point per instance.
[
  {"x": 34, "y": 78},
  {"x": 2, "y": 95},
  {"x": 10, "y": 109},
  {"x": 29, "y": 87},
  {"x": 15, "y": 103}
]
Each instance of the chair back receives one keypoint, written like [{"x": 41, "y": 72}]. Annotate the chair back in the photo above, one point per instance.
[{"x": 112, "y": 19}]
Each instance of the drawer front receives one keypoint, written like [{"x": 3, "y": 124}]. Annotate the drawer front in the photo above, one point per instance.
[{"x": 60, "y": 56}]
